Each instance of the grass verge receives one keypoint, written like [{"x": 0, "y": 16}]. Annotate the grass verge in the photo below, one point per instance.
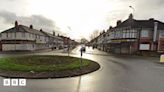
[{"x": 41, "y": 63}]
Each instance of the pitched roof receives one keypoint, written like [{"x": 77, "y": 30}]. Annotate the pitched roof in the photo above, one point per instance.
[
  {"x": 51, "y": 35},
  {"x": 141, "y": 24},
  {"x": 46, "y": 33},
  {"x": 22, "y": 28}
]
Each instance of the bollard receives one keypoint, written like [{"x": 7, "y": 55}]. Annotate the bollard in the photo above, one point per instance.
[{"x": 162, "y": 59}]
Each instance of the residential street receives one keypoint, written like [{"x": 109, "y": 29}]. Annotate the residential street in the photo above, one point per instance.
[{"x": 117, "y": 74}]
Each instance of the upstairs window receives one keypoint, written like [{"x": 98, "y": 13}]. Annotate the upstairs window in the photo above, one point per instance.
[
  {"x": 23, "y": 34},
  {"x": 6, "y": 35},
  {"x": 15, "y": 35},
  {"x": 145, "y": 33}
]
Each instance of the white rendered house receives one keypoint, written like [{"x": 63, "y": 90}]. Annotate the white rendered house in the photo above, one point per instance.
[{"x": 23, "y": 38}]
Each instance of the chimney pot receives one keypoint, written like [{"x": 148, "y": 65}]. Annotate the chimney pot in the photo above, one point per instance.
[
  {"x": 151, "y": 19},
  {"x": 131, "y": 16},
  {"x": 31, "y": 26},
  {"x": 41, "y": 30},
  {"x": 110, "y": 27},
  {"x": 16, "y": 23},
  {"x": 53, "y": 33},
  {"x": 119, "y": 22}
]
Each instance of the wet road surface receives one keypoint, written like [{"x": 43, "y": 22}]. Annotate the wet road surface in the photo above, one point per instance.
[{"x": 117, "y": 74}]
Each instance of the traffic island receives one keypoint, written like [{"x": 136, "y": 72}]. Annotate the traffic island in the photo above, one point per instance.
[{"x": 45, "y": 66}]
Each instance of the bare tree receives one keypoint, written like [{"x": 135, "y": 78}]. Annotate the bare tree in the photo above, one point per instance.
[
  {"x": 94, "y": 34},
  {"x": 84, "y": 40}
]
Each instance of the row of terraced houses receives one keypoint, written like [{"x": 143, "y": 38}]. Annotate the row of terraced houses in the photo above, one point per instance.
[
  {"x": 132, "y": 36},
  {"x": 24, "y": 38}
]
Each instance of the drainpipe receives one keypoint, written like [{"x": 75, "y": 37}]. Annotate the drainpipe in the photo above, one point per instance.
[
  {"x": 158, "y": 49},
  {"x": 155, "y": 34},
  {"x": 139, "y": 37}
]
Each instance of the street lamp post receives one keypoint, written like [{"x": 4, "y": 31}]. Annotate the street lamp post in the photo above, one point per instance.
[
  {"x": 131, "y": 7},
  {"x": 81, "y": 59},
  {"x": 69, "y": 28},
  {"x": 68, "y": 45},
  {"x": 132, "y": 23}
]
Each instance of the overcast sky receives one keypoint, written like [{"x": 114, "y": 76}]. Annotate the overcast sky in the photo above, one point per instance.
[{"x": 76, "y": 18}]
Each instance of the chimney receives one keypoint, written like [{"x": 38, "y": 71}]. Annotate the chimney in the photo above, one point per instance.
[
  {"x": 103, "y": 31},
  {"x": 16, "y": 23},
  {"x": 31, "y": 26},
  {"x": 155, "y": 31},
  {"x": 110, "y": 27},
  {"x": 53, "y": 33},
  {"x": 41, "y": 30},
  {"x": 151, "y": 19},
  {"x": 131, "y": 16},
  {"x": 119, "y": 22}
]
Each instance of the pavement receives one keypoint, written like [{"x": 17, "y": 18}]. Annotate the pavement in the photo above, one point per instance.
[{"x": 117, "y": 74}]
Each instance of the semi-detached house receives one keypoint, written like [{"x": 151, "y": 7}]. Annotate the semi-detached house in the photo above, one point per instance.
[
  {"x": 23, "y": 38},
  {"x": 53, "y": 41},
  {"x": 132, "y": 36}
]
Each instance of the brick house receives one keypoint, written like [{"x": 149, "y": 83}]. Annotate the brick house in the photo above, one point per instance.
[
  {"x": 134, "y": 35},
  {"x": 131, "y": 36}
]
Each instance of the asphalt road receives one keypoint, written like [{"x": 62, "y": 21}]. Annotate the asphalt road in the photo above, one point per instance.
[{"x": 117, "y": 74}]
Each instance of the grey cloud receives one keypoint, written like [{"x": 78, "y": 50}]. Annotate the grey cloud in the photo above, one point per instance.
[
  {"x": 149, "y": 8},
  {"x": 7, "y": 16},
  {"x": 38, "y": 21}
]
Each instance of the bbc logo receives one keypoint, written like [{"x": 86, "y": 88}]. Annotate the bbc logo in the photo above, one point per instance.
[{"x": 14, "y": 82}]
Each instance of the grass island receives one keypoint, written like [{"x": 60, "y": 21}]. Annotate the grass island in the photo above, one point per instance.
[{"x": 45, "y": 66}]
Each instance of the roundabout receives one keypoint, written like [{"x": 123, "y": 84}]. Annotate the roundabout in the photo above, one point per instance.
[{"x": 45, "y": 66}]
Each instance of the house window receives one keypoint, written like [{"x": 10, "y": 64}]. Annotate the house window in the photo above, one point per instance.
[
  {"x": 33, "y": 36},
  {"x": 29, "y": 35},
  {"x": 127, "y": 34},
  {"x": 15, "y": 34},
  {"x": 6, "y": 35},
  {"x": 145, "y": 33},
  {"x": 161, "y": 34},
  {"x": 10, "y": 35},
  {"x": 36, "y": 36},
  {"x": 124, "y": 34},
  {"x": 23, "y": 34}
]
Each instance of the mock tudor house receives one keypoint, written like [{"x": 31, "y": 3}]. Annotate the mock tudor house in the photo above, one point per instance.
[{"x": 133, "y": 35}]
